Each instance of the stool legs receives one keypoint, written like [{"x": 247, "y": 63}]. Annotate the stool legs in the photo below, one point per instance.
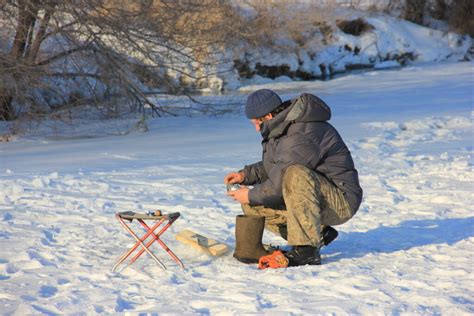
[
  {"x": 145, "y": 247},
  {"x": 162, "y": 244}
]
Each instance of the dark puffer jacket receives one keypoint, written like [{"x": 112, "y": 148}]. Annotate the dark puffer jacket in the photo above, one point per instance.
[{"x": 301, "y": 135}]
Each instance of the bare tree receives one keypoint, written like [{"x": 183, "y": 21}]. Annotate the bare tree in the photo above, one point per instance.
[{"x": 108, "y": 49}]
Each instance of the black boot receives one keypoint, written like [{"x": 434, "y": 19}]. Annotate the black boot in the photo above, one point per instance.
[
  {"x": 328, "y": 235},
  {"x": 248, "y": 238},
  {"x": 303, "y": 255}
]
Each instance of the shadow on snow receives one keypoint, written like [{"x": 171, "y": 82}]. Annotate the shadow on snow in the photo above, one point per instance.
[{"x": 407, "y": 235}]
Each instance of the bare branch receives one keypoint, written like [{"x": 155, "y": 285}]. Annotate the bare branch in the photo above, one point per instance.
[{"x": 66, "y": 53}]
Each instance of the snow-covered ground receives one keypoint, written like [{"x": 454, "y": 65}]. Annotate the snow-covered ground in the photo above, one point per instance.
[{"x": 409, "y": 249}]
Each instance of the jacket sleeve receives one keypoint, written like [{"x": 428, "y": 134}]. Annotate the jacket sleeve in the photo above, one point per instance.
[
  {"x": 269, "y": 192},
  {"x": 254, "y": 173}
]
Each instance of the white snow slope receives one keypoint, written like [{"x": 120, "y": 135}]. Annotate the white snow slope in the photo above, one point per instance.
[{"x": 409, "y": 249}]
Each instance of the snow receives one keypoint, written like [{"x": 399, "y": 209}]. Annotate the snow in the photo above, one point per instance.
[
  {"x": 387, "y": 64},
  {"x": 407, "y": 251}
]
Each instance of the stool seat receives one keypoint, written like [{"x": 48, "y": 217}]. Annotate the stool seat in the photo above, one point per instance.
[
  {"x": 129, "y": 215},
  {"x": 158, "y": 221}
]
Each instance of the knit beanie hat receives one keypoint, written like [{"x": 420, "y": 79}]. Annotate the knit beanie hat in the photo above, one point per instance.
[{"x": 261, "y": 102}]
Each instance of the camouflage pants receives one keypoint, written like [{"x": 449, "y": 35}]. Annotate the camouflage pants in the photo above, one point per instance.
[{"x": 311, "y": 200}]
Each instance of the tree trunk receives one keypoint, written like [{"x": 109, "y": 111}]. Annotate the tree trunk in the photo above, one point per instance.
[
  {"x": 6, "y": 111},
  {"x": 415, "y": 11},
  {"x": 27, "y": 11},
  {"x": 27, "y": 14},
  {"x": 40, "y": 35}
]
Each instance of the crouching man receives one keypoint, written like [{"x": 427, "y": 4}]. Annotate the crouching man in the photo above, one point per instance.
[{"x": 305, "y": 183}]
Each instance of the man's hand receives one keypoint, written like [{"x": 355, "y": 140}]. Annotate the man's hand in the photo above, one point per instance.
[
  {"x": 234, "y": 177},
  {"x": 240, "y": 195}
]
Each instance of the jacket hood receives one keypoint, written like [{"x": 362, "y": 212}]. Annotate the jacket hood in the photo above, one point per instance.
[
  {"x": 305, "y": 108},
  {"x": 308, "y": 108}
]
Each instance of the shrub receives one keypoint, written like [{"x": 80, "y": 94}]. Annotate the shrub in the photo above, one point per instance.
[{"x": 354, "y": 27}]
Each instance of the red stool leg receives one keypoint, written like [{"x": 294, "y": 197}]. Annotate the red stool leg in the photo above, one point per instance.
[
  {"x": 154, "y": 237},
  {"x": 158, "y": 239},
  {"x": 138, "y": 243}
]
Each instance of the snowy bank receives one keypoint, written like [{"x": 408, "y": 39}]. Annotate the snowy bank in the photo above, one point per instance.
[{"x": 380, "y": 41}]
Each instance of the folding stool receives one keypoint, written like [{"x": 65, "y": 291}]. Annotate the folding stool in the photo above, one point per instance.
[{"x": 145, "y": 246}]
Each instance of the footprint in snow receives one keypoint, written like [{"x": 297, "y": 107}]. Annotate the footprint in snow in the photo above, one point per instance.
[
  {"x": 7, "y": 217},
  {"x": 36, "y": 256},
  {"x": 47, "y": 291},
  {"x": 49, "y": 236}
]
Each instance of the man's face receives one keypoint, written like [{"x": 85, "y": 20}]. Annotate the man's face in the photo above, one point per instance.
[{"x": 257, "y": 123}]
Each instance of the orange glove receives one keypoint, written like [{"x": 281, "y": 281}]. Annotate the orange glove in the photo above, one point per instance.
[{"x": 275, "y": 260}]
